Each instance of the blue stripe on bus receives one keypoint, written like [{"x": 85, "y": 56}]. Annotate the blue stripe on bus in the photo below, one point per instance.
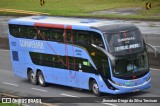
[{"x": 17, "y": 22}]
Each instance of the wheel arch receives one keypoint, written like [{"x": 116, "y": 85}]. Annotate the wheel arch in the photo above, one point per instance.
[
  {"x": 28, "y": 70},
  {"x": 90, "y": 81},
  {"x": 38, "y": 70}
]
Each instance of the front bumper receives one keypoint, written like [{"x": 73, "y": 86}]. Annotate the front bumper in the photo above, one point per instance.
[{"x": 127, "y": 89}]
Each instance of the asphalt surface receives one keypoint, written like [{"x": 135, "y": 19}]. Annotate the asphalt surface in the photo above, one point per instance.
[{"x": 11, "y": 83}]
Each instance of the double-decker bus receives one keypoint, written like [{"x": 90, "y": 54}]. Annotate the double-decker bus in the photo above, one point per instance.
[{"x": 102, "y": 56}]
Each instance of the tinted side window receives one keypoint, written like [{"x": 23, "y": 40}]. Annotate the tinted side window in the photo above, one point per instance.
[
  {"x": 57, "y": 35},
  {"x": 23, "y": 31},
  {"x": 36, "y": 58},
  {"x": 53, "y": 61},
  {"x": 19, "y": 31},
  {"x": 39, "y": 33},
  {"x": 83, "y": 38},
  {"x": 44, "y": 34},
  {"x": 13, "y": 30},
  {"x": 72, "y": 64},
  {"x": 32, "y": 33},
  {"x": 46, "y": 60},
  {"x": 87, "y": 66},
  {"x": 105, "y": 68},
  {"x": 68, "y": 37},
  {"x": 57, "y": 62},
  {"x": 97, "y": 40}
]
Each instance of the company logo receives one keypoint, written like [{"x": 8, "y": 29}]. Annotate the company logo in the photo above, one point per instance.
[
  {"x": 126, "y": 39},
  {"x": 6, "y": 100},
  {"x": 31, "y": 44},
  {"x": 21, "y": 100}
]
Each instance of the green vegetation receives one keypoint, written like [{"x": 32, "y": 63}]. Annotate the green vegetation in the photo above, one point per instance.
[
  {"x": 8, "y": 104},
  {"x": 83, "y": 8}
]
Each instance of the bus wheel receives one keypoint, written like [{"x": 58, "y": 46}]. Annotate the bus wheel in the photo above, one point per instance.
[
  {"x": 41, "y": 79},
  {"x": 94, "y": 88},
  {"x": 32, "y": 78}
]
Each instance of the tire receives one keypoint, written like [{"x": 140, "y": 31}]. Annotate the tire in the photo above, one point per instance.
[
  {"x": 95, "y": 88},
  {"x": 41, "y": 79},
  {"x": 32, "y": 78}
]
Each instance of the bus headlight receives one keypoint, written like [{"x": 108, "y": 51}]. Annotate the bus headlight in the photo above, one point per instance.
[
  {"x": 116, "y": 83},
  {"x": 148, "y": 79}
]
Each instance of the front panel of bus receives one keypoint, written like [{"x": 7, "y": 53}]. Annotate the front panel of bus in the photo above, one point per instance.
[{"x": 131, "y": 70}]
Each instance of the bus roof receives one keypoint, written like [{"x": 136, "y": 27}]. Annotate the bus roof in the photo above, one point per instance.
[{"x": 67, "y": 21}]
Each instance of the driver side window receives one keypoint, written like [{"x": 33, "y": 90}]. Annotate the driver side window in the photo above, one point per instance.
[{"x": 97, "y": 40}]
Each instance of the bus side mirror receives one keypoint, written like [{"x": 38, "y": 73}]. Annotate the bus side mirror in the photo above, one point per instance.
[
  {"x": 111, "y": 57},
  {"x": 153, "y": 48}
]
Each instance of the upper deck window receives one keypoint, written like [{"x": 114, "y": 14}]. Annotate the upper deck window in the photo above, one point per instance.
[
  {"x": 14, "y": 30},
  {"x": 32, "y": 33},
  {"x": 44, "y": 34},
  {"x": 97, "y": 40},
  {"x": 83, "y": 38},
  {"x": 57, "y": 35}
]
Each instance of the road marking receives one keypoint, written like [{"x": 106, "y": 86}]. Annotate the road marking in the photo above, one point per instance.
[
  {"x": 155, "y": 69},
  {"x": 25, "y": 105},
  {"x": 3, "y": 50},
  {"x": 157, "y": 46},
  {"x": 109, "y": 104},
  {"x": 10, "y": 84},
  {"x": 39, "y": 89},
  {"x": 68, "y": 95}
]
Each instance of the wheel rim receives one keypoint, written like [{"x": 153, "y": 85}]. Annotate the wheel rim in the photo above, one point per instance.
[
  {"x": 41, "y": 80},
  {"x": 32, "y": 77},
  {"x": 95, "y": 88}
]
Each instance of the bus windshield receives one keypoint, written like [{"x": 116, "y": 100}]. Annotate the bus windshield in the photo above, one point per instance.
[
  {"x": 124, "y": 42},
  {"x": 131, "y": 65}
]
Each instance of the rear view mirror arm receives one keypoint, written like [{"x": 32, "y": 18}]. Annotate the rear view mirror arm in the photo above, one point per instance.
[
  {"x": 153, "y": 48},
  {"x": 111, "y": 57}
]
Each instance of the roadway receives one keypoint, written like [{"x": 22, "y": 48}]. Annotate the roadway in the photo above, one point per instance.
[{"x": 10, "y": 83}]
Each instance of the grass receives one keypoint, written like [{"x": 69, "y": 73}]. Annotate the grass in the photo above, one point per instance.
[
  {"x": 8, "y": 104},
  {"x": 82, "y": 8}
]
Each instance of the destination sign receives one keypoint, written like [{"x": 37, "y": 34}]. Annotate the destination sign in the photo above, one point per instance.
[{"x": 132, "y": 46}]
